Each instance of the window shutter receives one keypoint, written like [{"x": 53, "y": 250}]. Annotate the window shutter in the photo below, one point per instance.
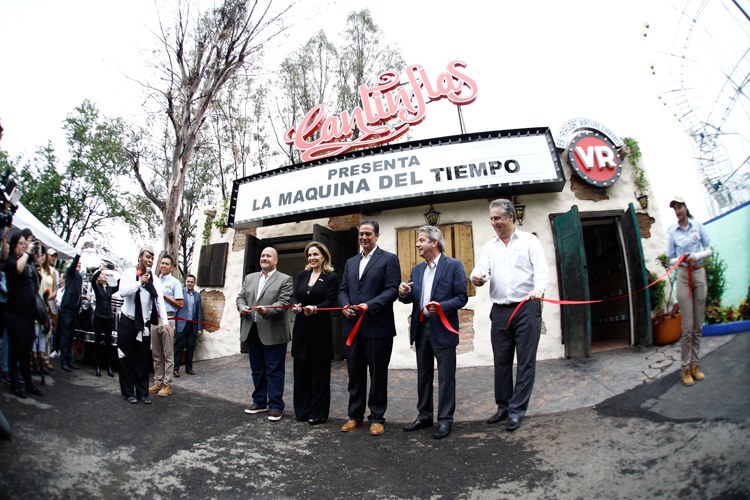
[
  {"x": 218, "y": 263},
  {"x": 204, "y": 266},
  {"x": 464, "y": 251},
  {"x": 407, "y": 252}
]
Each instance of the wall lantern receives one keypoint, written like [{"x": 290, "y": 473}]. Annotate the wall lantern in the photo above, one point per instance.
[
  {"x": 642, "y": 199},
  {"x": 432, "y": 217},
  {"x": 223, "y": 229},
  {"x": 520, "y": 210}
]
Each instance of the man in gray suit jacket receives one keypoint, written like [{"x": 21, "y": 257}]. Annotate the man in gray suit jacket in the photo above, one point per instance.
[{"x": 266, "y": 332}]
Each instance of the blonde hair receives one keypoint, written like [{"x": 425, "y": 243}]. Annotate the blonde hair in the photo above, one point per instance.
[{"x": 327, "y": 267}]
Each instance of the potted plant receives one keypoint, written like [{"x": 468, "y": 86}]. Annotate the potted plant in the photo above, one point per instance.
[{"x": 667, "y": 324}]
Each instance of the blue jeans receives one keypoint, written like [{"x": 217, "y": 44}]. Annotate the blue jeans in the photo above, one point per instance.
[
  {"x": 4, "y": 355},
  {"x": 267, "y": 363}
]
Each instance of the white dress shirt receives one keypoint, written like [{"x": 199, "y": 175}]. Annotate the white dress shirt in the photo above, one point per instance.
[
  {"x": 364, "y": 260},
  {"x": 427, "y": 279},
  {"x": 513, "y": 270},
  {"x": 261, "y": 283},
  {"x": 129, "y": 285}
]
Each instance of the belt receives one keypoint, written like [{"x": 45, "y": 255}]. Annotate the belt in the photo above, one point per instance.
[
  {"x": 698, "y": 266},
  {"x": 129, "y": 317},
  {"x": 170, "y": 315},
  {"x": 511, "y": 305}
]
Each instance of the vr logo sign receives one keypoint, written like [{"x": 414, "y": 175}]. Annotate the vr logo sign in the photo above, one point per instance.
[{"x": 594, "y": 158}]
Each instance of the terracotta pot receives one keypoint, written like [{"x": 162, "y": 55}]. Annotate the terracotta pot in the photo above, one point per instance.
[{"x": 668, "y": 331}]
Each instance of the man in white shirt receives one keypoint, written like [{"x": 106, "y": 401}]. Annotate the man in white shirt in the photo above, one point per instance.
[
  {"x": 514, "y": 264},
  {"x": 143, "y": 306},
  {"x": 162, "y": 339}
]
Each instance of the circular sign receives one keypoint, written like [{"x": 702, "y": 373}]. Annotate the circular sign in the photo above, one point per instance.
[{"x": 594, "y": 158}]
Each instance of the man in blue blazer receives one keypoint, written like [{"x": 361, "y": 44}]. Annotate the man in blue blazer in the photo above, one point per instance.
[
  {"x": 370, "y": 285},
  {"x": 187, "y": 332},
  {"x": 438, "y": 280}
]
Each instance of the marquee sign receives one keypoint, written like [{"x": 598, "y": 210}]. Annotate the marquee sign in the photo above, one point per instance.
[
  {"x": 439, "y": 170},
  {"x": 389, "y": 110},
  {"x": 594, "y": 158}
]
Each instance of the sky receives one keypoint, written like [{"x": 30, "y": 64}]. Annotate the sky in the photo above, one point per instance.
[{"x": 536, "y": 63}]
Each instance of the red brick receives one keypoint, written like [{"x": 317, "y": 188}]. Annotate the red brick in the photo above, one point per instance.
[
  {"x": 213, "y": 308},
  {"x": 585, "y": 191},
  {"x": 645, "y": 221},
  {"x": 344, "y": 222},
  {"x": 240, "y": 236}
]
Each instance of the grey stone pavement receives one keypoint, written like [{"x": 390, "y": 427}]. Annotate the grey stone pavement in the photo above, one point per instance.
[{"x": 561, "y": 384}]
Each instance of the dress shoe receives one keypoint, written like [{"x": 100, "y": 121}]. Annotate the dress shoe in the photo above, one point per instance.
[
  {"x": 274, "y": 416},
  {"x": 687, "y": 379},
  {"x": 66, "y": 367},
  {"x": 98, "y": 372},
  {"x": 145, "y": 400},
  {"x": 190, "y": 372},
  {"x": 165, "y": 391},
  {"x": 176, "y": 374},
  {"x": 132, "y": 400},
  {"x": 109, "y": 371},
  {"x": 376, "y": 429},
  {"x": 442, "y": 431},
  {"x": 19, "y": 393},
  {"x": 74, "y": 366},
  {"x": 697, "y": 374},
  {"x": 500, "y": 415},
  {"x": 514, "y": 424},
  {"x": 317, "y": 421},
  {"x": 350, "y": 426},
  {"x": 418, "y": 424},
  {"x": 155, "y": 388},
  {"x": 33, "y": 390},
  {"x": 253, "y": 409}
]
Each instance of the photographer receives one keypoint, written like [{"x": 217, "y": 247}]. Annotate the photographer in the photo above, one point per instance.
[
  {"x": 22, "y": 281},
  {"x": 104, "y": 284},
  {"x": 69, "y": 306}
]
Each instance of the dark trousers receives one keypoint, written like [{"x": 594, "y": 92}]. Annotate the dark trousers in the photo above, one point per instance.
[
  {"x": 67, "y": 329},
  {"x": 312, "y": 388},
  {"x": 522, "y": 339},
  {"x": 21, "y": 335},
  {"x": 267, "y": 363},
  {"x": 185, "y": 338},
  {"x": 135, "y": 361},
  {"x": 446, "y": 361},
  {"x": 103, "y": 333},
  {"x": 374, "y": 354}
]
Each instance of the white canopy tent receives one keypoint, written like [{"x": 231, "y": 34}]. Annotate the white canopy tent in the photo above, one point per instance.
[{"x": 23, "y": 219}]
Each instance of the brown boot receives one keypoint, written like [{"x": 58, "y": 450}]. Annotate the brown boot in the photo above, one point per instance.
[
  {"x": 697, "y": 374},
  {"x": 687, "y": 379},
  {"x": 46, "y": 362}
]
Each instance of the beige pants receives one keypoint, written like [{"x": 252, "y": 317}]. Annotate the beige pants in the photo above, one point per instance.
[
  {"x": 691, "y": 311},
  {"x": 162, "y": 349}
]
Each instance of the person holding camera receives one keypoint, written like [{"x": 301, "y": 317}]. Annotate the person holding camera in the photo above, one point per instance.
[
  {"x": 69, "y": 306},
  {"x": 23, "y": 283},
  {"x": 105, "y": 285}
]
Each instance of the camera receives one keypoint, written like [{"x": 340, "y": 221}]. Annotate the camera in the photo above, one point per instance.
[
  {"x": 35, "y": 246},
  {"x": 11, "y": 196}
]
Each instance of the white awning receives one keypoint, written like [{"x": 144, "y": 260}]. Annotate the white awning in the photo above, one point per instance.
[{"x": 23, "y": 219}]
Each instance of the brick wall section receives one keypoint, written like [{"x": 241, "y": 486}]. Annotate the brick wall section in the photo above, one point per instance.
[
  {"x": 644, "y": 224},
  {"x": 238, "y": 242},
  {"x": 213, "y": 308},
  {"x": 585, "y": 191},
  {"x": 343, "y": 222},
  {"x": 466, "y": 326}
]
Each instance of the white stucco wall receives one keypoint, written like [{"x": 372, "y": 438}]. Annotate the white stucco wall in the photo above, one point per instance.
[{"x": 538, "y": 208}]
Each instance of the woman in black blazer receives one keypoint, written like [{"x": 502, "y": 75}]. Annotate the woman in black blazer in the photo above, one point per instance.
[{"x": 312, "y": 341}]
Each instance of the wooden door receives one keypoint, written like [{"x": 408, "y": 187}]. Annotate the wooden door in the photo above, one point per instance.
[
  {"x": 637, "y": 277},
  {"x": 573, "y": 282}
]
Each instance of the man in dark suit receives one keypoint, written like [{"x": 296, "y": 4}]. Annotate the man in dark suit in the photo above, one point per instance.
[
  {"x": 69, "y": 306},
  {"x": 187, "y": 332},
  {"x": 266, "y": 332},
  {"x": 438, "y": 280},
  {"x": 369, "y": 286}
]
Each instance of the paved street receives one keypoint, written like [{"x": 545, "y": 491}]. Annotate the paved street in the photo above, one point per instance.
[{"x": 660, "y": 438}]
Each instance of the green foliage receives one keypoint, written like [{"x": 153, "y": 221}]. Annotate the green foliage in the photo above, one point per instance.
[
  {"x": 639, "y": 175},
  {"x": 716, "y": 314},
  {"x": 663, "y": 261},
  {"x": 80, "y": 198},
  {"x": 717, "y": 282},
  {"x": 744, "y": 308},
  {"x": 657, "y": 292}
]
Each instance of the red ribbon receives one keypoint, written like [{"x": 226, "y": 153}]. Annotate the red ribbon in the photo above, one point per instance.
[
  {"x": 573, "y": 302},
  {"x": 354, "y": 330},
  {"x": 442, "y": 317},
  {"x": 200, "y": 323}
]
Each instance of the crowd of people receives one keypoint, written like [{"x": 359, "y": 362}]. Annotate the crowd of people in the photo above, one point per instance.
[{"x": 158, "y": 320}]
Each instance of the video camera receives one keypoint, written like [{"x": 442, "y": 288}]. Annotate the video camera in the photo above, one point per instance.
[{"x": 11, "y": 196}]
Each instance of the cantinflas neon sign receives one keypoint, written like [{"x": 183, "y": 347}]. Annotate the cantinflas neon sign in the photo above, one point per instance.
[{"x": 387, "y": 112}]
